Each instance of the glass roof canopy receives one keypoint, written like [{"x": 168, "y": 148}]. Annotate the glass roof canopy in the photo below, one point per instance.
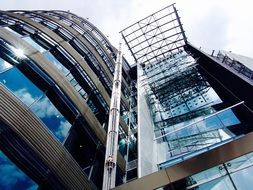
[{"x": 156, "y": 36}]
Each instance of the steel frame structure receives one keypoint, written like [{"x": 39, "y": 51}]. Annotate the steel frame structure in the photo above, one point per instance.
[{"x": 156, "y": 36}]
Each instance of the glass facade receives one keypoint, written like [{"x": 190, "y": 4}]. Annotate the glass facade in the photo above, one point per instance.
[
  {"x": 232, "y": 175},
  {"x": 240, "y": 64},
  {"x": 184, "y": 110},
  {"x": 85, "y": 59},
  {"x": 171, "y": 109},
  {"x": 190, "y": 105},
  {"x": 37, "y": 101},
  {"x": 12, "y": 177}
]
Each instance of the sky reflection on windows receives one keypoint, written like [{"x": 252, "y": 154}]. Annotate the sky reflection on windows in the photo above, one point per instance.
[
  {"x": 51, "y": 117},
  {"x": 12, "y": 177},
  {"x": 34, "y": 44},
  {"x": 12, "y": 31},
  {"x": 56, "y": 63},
  {"x": 240, "y": 170},
  {"x": 38, "y": 102},
  {"x": 16, "y": 82}
]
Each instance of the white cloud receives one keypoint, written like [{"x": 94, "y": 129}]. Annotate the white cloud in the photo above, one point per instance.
[
  {"x": 214, "y": 24},
  {"x": 42, "y": 108},
  {"x": 63, "y": 129},
  {"x": 26, "y": 97}
]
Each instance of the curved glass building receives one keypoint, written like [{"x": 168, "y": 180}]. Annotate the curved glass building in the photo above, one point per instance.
[
  {"x": 186, "y": 115},
  {"x": 56, "y": 73}
]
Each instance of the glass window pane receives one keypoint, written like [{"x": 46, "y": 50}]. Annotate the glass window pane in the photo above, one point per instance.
[
  {"x": 239, "y": 163},
  {"x": 243, "y": 179},
  {"x": 23, "y": 88},
  {"x": 4, "y": 65},
  {"x": 223, "y": 183},
  {"x": 34, "y": 98},
  {"x": 34, "y": 44},
  {"x": 12, "y": 177},
  {"x": 12, "y": 31},
  {"x": 56, "y": 63},
  {"x": 228, "y": 118},
  {"x": 51, "y": 117},
  {"x": 207, "y": 175}
]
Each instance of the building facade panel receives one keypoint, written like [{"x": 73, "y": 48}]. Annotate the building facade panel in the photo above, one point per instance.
[
  {"x": 196, "y": 102},
  {"x": 66, "y": 92}
]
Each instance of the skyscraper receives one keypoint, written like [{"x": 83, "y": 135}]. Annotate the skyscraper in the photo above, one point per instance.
[
  {"x": 194, "y": 110},
  {"x": 56, "y": 77},
  {"x": 186, "y": 115}
]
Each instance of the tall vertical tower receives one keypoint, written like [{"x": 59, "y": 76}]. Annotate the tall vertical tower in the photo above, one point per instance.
[
  {"x": 56, "y": 74},
  {"x": 185, "y": 120},
  {"x": 194, "y": 109}
]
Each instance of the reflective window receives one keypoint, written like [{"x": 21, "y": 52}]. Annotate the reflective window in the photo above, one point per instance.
[
  {"x": 18, "y": 84},
  {"x": 4, "y": 65},
  {"x": 51, "y": 117},
  {"x": 221, "y": 183},
  {"x": 12, "y": 31},
  {"x": 49, "y": 24},
  {"x": 75, "y": 84},
  {"x": 235, "y": 174},
  {"x": 243, "y": 179},
  {"x": 38, "y": 102},
  {"x": 34, "y": 44},
  {"x": 12, "y": 177},
  {"x": 182, "y": 106},
  {"x": 56, "y": 63},
  {"x": 228, "y": 118}
]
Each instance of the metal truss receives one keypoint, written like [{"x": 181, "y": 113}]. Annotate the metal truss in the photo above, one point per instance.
[{"x": 156, "y": 36}]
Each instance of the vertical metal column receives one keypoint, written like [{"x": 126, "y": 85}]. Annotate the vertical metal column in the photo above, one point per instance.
[
  {"x": 113, "y": 127},
  {"x": 180, "y": 24}
]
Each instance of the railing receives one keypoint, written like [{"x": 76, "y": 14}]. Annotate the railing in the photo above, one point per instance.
[
  {"x": 224, "y": 58},
  {"x": 235, "y": 65}
]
